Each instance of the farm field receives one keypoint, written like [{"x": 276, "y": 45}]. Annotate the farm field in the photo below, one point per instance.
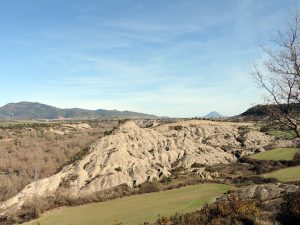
[
  {"x": 136, "y": 209},
  {"x": 277, "y": 154},
  {"x": 285, "y": 175}
]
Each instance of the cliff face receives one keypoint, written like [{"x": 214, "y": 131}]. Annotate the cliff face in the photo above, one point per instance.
[{"x": 132, "y": 155}]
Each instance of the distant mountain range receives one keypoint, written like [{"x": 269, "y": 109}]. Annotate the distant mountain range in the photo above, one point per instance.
[
  {"x": 213, "y": 115},
  {"x": 35, "y": 110}
]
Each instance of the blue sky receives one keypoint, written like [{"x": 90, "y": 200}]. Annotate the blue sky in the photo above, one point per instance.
[{"x": 178, "y": 58}]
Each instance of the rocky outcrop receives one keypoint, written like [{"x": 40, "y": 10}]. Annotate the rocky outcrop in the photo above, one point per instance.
[
  {"x": 265, "y": 192},
  {"x": 132, "y": 155}
]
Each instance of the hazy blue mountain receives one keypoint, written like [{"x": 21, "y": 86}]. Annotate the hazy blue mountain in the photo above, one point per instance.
[
  {"x": 213, "y": 115},
  {"x": 35, "y": 110}
]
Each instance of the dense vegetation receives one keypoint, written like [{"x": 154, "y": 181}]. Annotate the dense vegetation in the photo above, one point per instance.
[
  {"x": 290, "y": 209},
  {"x": 34, "y": 151}
]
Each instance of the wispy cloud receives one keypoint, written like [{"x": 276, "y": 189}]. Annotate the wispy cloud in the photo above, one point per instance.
[{"x": 174, "y": 58}]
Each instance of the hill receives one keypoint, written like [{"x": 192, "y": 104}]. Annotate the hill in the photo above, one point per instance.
[
  {"x": 35, "y": 110},
  {"x": 260, "y": 111},
  {"x": 132, "y": 155},
  {"x": 255, "y": 111},
  {"x": 213, "y": 115}
]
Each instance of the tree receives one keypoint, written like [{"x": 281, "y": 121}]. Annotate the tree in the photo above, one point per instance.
[{"x": 279, "y": 75}]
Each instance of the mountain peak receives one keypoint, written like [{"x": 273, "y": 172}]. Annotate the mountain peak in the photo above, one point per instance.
[{"x": 213, "y": 115}]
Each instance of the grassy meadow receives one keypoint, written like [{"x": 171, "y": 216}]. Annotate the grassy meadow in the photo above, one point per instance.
[
  {"x": 285, "y": 175},
  {"x": 277, "y": 154},
  {"x": 136, "y": 209}
]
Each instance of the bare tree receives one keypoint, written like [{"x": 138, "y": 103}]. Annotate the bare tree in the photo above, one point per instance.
[{"x": 279, "y": 75}]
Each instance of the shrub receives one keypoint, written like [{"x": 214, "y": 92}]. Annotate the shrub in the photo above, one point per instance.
[
  {"x": 109, "y": 132},
  {"x": 164, "y": 221},
  {"x": 296, "y": 159},
  {"x": 166, "y": 179},
  {"x": 117, "y": 222},
  {"x": 78, "y": 156},
  {"x": 243, "y": 130},
  {"x": 264, "y": 129},
  {"x": 118, "y": 169},
  {"x": 238, "y": 154},
  {"x": 233, "y": 211},
  {"x": 196, "y": 165},
  {"x": 148, "y": 187},
  {"x": 242, "y": 140},
  {"x": 290, "y": 209},
  {"x": 28, "y": 212},
  {"x": 249, "y": 180},
  {"x": 265, "y": 166},
  {"x": 177, "y": 127}
]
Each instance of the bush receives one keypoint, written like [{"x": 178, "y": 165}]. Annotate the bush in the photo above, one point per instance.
[
  {"x": 285, "y": 134},
  {"x": 116, "y": 222},
  {"x": 264, "y": 129},
  {"x": 28, "y": 212},
  {"x": 77, "y": 157},
  {"x": 243, "y": 130},
  {"x": 177, "y": 127},
  {"x": 250, "y": 180},
  {"x": 166, "y": 179},
  {"x": 238, "y": 153},
  {"x": 148, "y": 187},
  {"x": 196, "y": 165},
  {"x": 290, "y": 209},
  {"x": 242, "y": 140},
  {"x": 109, "y": 132},
  {"x": 265, "y": 166},
  {"x": 296, "y": 159},
  {"x": 233, "y": 211},
  {"x": 118, "y": 169}
]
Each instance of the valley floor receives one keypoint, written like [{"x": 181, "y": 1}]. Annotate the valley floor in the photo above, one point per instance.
[{"x": 207, "y": 157}]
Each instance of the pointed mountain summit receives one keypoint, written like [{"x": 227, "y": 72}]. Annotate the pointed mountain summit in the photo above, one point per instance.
[{"x": 213, "y": 115}]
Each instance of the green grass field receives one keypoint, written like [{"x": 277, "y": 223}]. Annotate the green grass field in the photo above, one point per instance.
[
  {"x": 283, "y": 134},
  {"x": 136, "y": 209},
  {"x": 277, "y": 154},
  {"x": 285, "y": 175}
]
